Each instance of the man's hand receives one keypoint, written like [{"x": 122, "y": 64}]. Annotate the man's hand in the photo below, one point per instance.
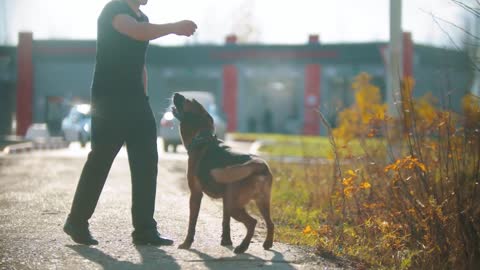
[
  {"x": 184, "y": 28},
  {"x": 127, "y": 25}
]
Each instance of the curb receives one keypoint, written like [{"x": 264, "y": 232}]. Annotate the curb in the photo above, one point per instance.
[
  {"x": 18, "y": 148},
  {"x": 255, "y": 149},
  {"x": 52, "y": 143}
]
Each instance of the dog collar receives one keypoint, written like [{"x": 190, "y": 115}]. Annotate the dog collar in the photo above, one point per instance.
[{"x": 203, "y": 137}]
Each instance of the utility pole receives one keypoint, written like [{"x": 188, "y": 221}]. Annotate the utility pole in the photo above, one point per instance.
[
  {"x": 395, "y": 64},
  {"x": 475, "y": 55}
]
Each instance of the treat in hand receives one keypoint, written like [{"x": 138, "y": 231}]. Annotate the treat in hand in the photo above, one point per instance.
[{"x": 185, "y": 28}]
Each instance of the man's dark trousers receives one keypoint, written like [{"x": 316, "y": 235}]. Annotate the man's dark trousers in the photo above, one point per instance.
[{"x": 135, "y": 126}]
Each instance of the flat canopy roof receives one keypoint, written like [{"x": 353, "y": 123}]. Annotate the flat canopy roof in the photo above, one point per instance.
[{"x": 344, "y": 53}]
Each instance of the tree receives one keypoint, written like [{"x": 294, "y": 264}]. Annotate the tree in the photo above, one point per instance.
[{"x": 244, "y": 25}]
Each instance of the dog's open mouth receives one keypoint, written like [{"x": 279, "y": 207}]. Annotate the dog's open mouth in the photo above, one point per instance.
[
  {"x": 174, "y": 110},
  {"x": 176, "y": 113}
]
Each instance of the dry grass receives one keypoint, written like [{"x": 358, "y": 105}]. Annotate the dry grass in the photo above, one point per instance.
[{"x": 409, "y": 203}]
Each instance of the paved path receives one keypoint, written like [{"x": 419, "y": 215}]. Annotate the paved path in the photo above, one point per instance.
[{"x": 36, "y": 190}]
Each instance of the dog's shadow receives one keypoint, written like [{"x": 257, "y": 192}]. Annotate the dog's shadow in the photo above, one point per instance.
[
  {"x": 151, "y": 258},
  {"x": 244, "y": 260}
]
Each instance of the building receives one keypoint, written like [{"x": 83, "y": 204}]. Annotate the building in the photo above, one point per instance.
[
  {"x": 261, "y": 88},
  {"x": 7, "y": 88}
]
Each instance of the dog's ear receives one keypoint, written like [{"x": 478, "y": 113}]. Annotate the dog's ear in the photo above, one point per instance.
[
  {"x": 202, "y": 110},
  {"x": 198, "y": 105}
]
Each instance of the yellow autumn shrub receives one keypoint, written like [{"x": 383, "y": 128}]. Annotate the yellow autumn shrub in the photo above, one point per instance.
[
  {"x": 409, "y": 200},
  {"x": 413, "y": 199},
  {"x": 362, "y": 118}
]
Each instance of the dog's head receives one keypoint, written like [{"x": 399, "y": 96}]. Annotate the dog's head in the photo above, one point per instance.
[{"x": 192, "y": 116}]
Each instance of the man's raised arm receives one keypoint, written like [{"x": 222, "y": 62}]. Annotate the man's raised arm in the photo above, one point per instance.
[{"x": 127, "y": 25}]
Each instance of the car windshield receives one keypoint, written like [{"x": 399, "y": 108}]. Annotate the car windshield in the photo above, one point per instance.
[
  {"x": 79, "y": 112},
  {"x": 82, "y": 109},
  {"x": 212, "y": 109}
]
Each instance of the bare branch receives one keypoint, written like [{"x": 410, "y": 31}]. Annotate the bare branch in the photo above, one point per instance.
[
  {"x": 454, "y": 25},
  {"x": 474, "y": 65},
  {"x": 467, "y": 7}
]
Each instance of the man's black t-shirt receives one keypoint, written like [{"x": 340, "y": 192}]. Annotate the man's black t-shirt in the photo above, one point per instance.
[{"x": 120, "y": 60}]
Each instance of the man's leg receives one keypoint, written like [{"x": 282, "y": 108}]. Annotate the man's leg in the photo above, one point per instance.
[
  {"x": 143, "y": 159},
  {"x": 107, "y": 139}
]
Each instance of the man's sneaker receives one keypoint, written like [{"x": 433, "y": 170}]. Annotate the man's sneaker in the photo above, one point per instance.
[
  {"x": 79, "y": 233},
  {"x": 150, "y": 237}
]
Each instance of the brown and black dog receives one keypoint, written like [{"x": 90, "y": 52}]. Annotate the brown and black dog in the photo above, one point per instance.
[{"x": 217, "y": 171}]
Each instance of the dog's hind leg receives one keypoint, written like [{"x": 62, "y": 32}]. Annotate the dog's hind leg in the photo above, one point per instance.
[
  {"x": 263, "y": 204},
  {"x": 226, "y": 238},
  {"x": 241, "y": 215}
]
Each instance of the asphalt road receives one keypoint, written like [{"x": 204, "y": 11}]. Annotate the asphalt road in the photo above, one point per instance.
[{"x": 36, "y": 190}]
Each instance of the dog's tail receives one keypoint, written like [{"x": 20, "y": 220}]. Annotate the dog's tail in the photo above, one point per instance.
[{"x": 239, "y": 172}]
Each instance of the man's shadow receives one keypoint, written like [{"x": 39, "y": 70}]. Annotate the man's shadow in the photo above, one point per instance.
[
  {"x": 244, "y": 260},
  {"x": 151, "y": 258}
]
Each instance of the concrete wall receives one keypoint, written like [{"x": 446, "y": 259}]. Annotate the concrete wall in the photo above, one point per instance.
[
  {"x": 69, "y": 80},
  {"x": 278, "y": 89}
]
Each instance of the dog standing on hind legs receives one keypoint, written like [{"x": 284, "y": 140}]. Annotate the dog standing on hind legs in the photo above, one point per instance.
[{"x": 217, "y": 171}]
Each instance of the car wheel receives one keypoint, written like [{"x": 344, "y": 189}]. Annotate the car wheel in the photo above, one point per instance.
[
  {"x": 64, "y": 137},
  {"x": 175, "y": 148},
  {"x": 165, "y": 147},
  {"x": 83, "y": 140}
]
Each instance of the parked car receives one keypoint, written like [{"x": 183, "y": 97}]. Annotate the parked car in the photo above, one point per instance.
[
  {"x": 169, "y": 124},
  {"x": 76, "y": 126}
]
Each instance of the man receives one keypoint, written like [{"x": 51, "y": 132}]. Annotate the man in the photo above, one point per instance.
[{"x": 122, "y": 114}]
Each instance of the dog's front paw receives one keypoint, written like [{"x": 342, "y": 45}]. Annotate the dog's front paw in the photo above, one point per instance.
[
  {"x": 240, "y": 249},
  {"x": 267, "y": 244},
  {"x": 185, "y": 245},
  {"x": 226, "y": 242}
]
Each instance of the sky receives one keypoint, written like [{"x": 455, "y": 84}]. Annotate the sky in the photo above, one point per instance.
[{"x": 272, "y": 21}]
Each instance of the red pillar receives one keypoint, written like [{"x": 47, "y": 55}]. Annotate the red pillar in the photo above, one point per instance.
[
  {"x": 230, "y": 92},
  {"x": 311, "y": 124},
  {"x": 24, "y": 82},
  {"x": 407, "y": 55}
]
